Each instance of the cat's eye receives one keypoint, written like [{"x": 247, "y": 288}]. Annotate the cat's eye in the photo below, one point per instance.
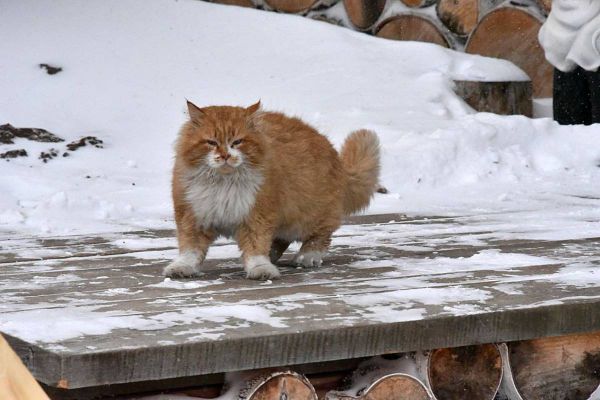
[
  {"x": 236, "y": 142},
  {"x": 212, "y": 143}
]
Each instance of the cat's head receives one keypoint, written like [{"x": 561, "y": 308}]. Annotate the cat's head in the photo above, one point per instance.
[{"x": 221, "y": 138}]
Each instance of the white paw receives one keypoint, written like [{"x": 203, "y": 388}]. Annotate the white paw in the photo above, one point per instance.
[
  {"x": 309, "y": 259},
  {"x": 184, "y": 266},
  {"x": 259, "y": 267}
]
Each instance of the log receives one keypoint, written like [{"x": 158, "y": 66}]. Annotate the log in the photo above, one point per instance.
[
  {"x": 418, "y": 3},
  {"x": 239, "y": 3},
  {"x": 378, "y": 378},
  {"x": 277, "y": 385},
  {"x": 16, "y": 383},
  {"x": 545, "y": 6},
  {"x": 291, "y": 6},
  {"x": 510, "y": 32},
  {"x": 505, "y": 98},
  {"x": 397, "y": 386},
  {"x": 470, "y": 372},
  {"x": 364, "y": 13},
  {"x": 413, "y": 27},
  {"x": 564, "y": 367},
  {"x": 461, "y": 16}
]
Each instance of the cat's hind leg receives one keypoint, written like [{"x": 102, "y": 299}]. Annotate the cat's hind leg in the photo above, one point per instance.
[{"x": 314, "y": 247}]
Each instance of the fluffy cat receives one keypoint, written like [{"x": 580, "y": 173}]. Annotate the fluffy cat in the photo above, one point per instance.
[{"x": 267, "y": 180}]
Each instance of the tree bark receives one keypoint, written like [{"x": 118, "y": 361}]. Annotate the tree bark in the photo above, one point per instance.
[{"x": 510, "y": 33}]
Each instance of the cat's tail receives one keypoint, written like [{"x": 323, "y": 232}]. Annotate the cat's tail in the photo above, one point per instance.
[{"x": 360, "y": 159}]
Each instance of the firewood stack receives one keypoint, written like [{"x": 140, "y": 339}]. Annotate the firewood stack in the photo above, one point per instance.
[
  {"x": 495, "y": 28},
  {"x": 562, "y": 367}
]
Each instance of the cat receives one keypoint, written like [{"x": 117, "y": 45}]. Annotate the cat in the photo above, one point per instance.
[{"x": 267, "y": 180}]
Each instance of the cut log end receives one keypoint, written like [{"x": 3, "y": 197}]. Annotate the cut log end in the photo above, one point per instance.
[
  {"x": 291, "y": 6},
  {"x": 505, "y": 98},
  {"x": 545, "y": 5},
  {"x": 283, "y": 385},
  {"x": 511, "y": 33},
  {"x": 459, "y": 16},
  {"x": 389, "y": 387},
  {"x": 412, "y": 27},
  {"x": 418, "y": 3},
  {"x": 364, "y": 13},
  {"x": 239, "y": 3},
  {"x": 396, "y": 387},
  {"x": 565, "y": 367},
  {"x": 470, "y": 372}
]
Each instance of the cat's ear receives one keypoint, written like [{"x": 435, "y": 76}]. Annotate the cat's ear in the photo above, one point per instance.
[
  {"x": 195, "y": 112},
  {"x": 253, "y": 108}
]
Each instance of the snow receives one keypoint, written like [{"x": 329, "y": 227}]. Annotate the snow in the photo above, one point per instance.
[
  {"x": 54, "y": 325},
  {"x": 125, "y": 81},
  {"x": 127, "y": 70}
]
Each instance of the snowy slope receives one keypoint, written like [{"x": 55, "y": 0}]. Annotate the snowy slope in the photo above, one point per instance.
[{"x": 128, "y": 67}]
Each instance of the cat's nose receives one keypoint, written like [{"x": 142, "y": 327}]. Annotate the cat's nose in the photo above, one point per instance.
[{"x": 226, "y": 156}]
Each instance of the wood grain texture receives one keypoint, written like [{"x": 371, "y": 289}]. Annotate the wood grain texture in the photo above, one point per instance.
[
  {"x": 412, "y": 27},
  {"x": 291, "y": 6},
  {"x": 470, "y": 372},
  {"x": 277, "y": 386},
  {"x": 564, "y": 367},
  {"x": 459, "y": 16},
  {"x": 545, "y": 5},
  {"x": 390, "y": 387},
  {"x": 418, "y": 3},
  {"x": 504, "y": 98},
  {"x": 239, "y": 3},
  {"x": 511, "y": 33},
  {"x": 362, "y": 302},
  {"x": 364, "y": 13}
]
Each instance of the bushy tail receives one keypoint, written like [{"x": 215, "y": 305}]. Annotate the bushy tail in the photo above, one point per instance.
[{"x": 360, "y": 159}]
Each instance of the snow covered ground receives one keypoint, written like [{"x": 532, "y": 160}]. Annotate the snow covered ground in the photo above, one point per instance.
[{"x": 129, "y": 66}]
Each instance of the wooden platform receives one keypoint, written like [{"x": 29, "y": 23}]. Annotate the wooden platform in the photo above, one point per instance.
[{"x": 95, "y": 310}]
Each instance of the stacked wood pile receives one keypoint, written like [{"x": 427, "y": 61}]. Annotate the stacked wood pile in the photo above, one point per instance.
[
  {"x": 565, "y": 367},
  {"x": 495, "y": 28}
]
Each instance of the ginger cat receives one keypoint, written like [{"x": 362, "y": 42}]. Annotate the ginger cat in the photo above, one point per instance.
[{"x": 267, "y": 180}]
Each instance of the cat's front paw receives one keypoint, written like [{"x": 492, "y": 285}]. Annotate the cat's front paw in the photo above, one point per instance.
[
  {"x": 309, "y": 259},
  {"x": 260, "y": 268},
  {"x": 186, "y": 265}
]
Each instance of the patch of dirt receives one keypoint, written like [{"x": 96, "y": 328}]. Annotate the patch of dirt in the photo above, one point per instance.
[
  {"x": 48, "y": 155},
  {"x": 50, "y": 69},
  {"x": 13, "y": 154},
  {"x": 87, "y": 140},
  {"x": 9, "y": 132}
]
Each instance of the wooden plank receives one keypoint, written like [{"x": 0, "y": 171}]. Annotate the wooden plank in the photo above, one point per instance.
[
  {"x": 464, "y": 280},
  {"x": 346, "y": 335}
]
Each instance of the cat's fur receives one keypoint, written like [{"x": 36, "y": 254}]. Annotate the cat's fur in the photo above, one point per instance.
[{"x": 266, "y": 180}]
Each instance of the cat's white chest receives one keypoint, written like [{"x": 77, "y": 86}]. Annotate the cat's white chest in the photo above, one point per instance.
[{"x": 222, "y": 202}]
